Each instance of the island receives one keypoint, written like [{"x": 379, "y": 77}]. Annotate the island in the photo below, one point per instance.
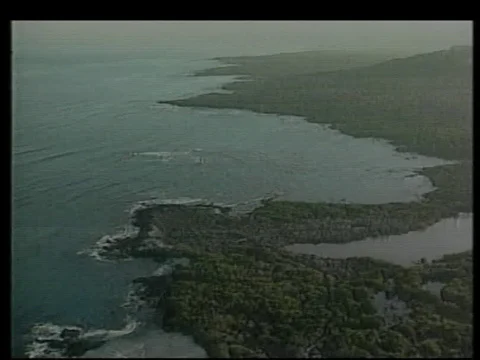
[{"x": 241, "y": 294}]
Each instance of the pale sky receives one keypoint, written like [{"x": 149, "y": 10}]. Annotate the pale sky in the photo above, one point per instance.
[{"x": 410, "y": 36}]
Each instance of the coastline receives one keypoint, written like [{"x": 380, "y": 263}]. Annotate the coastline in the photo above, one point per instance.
[
  {"x": 453, "y": 183},
  {"x": 241, "y": 256}
]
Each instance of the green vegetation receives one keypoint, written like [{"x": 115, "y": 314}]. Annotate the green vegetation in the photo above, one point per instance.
[
  {"x": 276, "y": 224},
  {"x": 421, "y": 104},
  {"x": 257, "y": 302},
  {"x": 306, "y": 62},
  {"x": 243, "y": 296}
]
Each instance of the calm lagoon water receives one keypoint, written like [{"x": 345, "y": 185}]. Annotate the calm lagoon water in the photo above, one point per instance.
[{"x": 445, "y": 237}]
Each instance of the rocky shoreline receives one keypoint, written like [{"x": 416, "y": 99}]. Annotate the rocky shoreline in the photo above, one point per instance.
[
  {"x": 242, "y": 295},
  {"x": 360, "y": 295},
  {"x": 162, "y": 230}
]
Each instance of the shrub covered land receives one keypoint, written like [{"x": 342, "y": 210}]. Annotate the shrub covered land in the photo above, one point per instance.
[
  {"x": 258, "y": 302},
  {"x": 243, "y": 296},
  {"x": 422, "y": 104}
]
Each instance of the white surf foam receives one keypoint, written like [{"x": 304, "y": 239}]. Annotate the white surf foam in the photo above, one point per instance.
[
  {"x": 133, "y": 301},
  {"x": 240, "y": 206},
  {"x": 42, "y": 350},
  {"x": 103, "y": 250},
  {"x": 105, "y": 335},
  {"x": 163, "y": 270},
  {"x": 145, "y": 204},
  {"x": 42, "y": 335},
  {"x": 162, "y": 155},
  {"x": 153, "y": 244}
]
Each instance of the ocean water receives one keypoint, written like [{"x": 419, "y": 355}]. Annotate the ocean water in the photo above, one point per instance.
[
  {"x": 148, "y": 344},
  {"x": 89, "y": 142}
]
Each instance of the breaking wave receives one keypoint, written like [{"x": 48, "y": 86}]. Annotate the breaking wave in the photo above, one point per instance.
[
  {"x": 106, "y": 244},
  {"x": 164, "y": 156},
  {"x": 49, "y": 340},
  {"x": 161, "y": 154},
  {"x": 107, "y": 249},
  {"x": 55, "y": 341},
  {"x": 146, "y": 204}
]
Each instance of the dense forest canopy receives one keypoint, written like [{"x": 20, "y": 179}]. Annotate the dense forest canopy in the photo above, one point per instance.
[{"x": 243, "y": 296}]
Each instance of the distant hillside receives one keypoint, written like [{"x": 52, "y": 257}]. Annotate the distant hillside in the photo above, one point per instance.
[
  {"x": 296, "y": 63},
  {"x": 456, "y": 61},
  {"x": 422, "y": 103}
]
